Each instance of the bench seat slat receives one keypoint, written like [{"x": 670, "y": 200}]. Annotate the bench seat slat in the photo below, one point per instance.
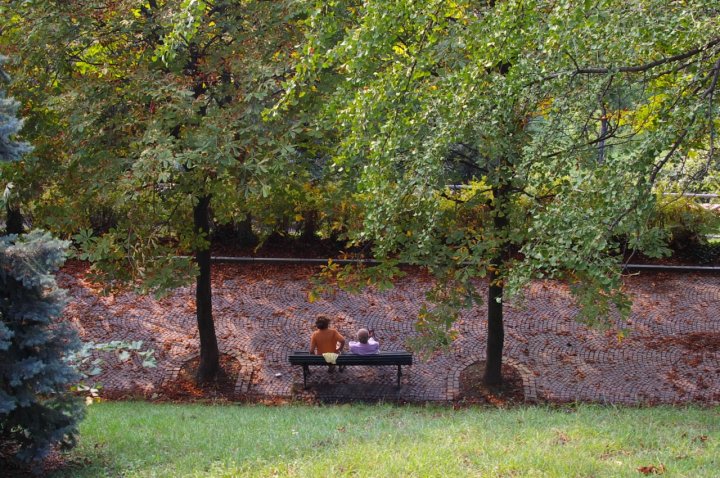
[
  {"x": 306, "y": 359},
  {"x": 382, "y": 358}
]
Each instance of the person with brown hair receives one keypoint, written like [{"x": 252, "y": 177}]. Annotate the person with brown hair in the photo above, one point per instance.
[{"x": 325, "y": 339}]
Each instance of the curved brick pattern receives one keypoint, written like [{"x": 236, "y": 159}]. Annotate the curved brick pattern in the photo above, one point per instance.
[{"x": 670, "y": 356}]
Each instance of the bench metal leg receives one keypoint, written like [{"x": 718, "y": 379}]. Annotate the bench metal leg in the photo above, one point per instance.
[
  {"x": 398, "y": 376},
  {"x": 306, "y": 372}
]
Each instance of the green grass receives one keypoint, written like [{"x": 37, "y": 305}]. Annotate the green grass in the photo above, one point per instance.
[{"x": 136, "y": 439}]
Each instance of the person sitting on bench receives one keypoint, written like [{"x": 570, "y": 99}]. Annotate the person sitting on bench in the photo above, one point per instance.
[
  {"x": 366, "y": 343},
  {"x": 326, "y": 340}
]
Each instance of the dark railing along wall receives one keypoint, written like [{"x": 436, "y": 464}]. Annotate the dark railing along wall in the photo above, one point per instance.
[{"x": 291, "y": 260}]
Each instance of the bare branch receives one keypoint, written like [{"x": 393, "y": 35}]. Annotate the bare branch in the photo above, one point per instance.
[
  {"x": 632, "y": 69},
  {"x": 649, "y": 66},
  {"x": 454, "y": 199}
]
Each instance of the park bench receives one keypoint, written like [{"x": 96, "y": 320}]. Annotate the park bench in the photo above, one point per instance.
[{"x": 306, "y": 359}]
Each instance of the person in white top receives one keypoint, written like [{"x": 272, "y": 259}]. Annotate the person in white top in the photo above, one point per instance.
[{"x": 365, "y": 344}]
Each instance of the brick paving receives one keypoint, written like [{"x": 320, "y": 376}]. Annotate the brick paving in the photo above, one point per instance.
[{"x": 672, "y": 354}]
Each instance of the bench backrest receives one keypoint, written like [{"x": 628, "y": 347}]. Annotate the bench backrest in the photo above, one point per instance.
[{"x": 382, "y": 358}]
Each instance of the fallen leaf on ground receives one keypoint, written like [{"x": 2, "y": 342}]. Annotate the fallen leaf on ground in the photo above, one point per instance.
[{"x": 652, "y": 470}]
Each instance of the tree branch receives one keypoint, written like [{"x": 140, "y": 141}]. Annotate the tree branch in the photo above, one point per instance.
[
  {"x": 709, "y": 94},
  {"x": 630, "y": 69},
  {"x": 649, "y": 66}
]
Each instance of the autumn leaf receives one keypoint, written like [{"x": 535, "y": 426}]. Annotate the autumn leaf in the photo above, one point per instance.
[{"x": 652, "y": 469}]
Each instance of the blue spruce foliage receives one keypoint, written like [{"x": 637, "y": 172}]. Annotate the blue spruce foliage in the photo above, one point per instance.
[
  {"x": 10, "y": 150},
  {"x": 37, "y": 410}
]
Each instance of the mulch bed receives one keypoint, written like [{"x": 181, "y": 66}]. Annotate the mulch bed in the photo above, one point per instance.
[
  {"x": 12, "y": 469},
  {"x": 184, "y": 388},
  {"x": 473, "y": 391}
]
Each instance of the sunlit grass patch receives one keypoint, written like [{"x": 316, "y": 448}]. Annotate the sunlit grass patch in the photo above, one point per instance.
[{"x": 135, "y": 439}]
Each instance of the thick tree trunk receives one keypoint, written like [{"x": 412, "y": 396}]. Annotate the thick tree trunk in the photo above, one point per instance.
[
  {"x": 14, "y": 221},
  {"x": 209, "y": 353}
]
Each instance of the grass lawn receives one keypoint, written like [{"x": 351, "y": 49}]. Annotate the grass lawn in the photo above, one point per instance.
[{"x": 137, "y": 439}]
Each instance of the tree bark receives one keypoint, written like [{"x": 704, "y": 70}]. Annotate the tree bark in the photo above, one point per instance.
[
  {"x": 309, "y": 226},
  {"x": 496, "y": 328},
  {"x": 209, "y": 353},
  {"x": 14, "y": 221},
  {"x": 246, "y": 236}
]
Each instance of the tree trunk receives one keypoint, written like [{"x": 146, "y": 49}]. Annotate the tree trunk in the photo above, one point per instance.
[
  {"x": 246, "y": 236},
  {"x": 496, "y": 328},
  {"x": 309, "y": 226},
  {"x": 603, "y": 133},
  {"x": 209, "y": 353},
  {"x": 284, "y": 226},
  {"x": 14, "y": 221}
]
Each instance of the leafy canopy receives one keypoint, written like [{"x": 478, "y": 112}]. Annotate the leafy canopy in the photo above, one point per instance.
[{"x": 559, "y": 116}]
